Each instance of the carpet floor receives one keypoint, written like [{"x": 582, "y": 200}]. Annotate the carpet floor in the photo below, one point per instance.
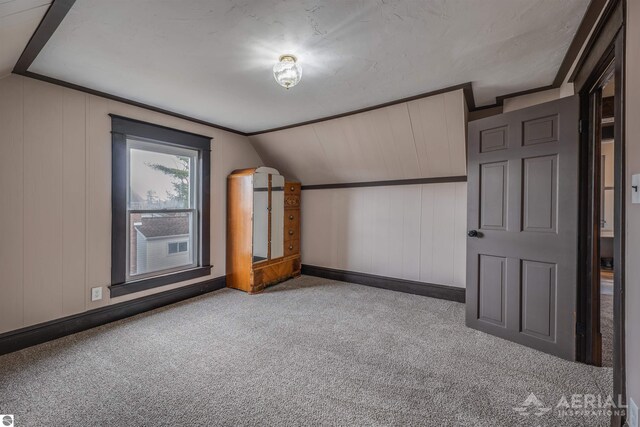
[
  {"x": 606, "y": 329},
  {"x": 306, "y": 352}
]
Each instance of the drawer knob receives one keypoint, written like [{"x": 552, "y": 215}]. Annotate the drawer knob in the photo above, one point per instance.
[
  {"x": 293, "y": 188},
  {"x": 290, "y": 247},
  {"x": 290, "y": 232},
  {"x": 291, "y": 217}
]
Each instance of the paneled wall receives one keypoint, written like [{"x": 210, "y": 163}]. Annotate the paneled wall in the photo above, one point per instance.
[
  {"x": 413, "y": 232},
  {"x": 55, "y": 171},
  {"x": 423, "y": 138}
]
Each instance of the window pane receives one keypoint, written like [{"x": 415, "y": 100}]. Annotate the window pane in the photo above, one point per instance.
[
  {"x": 160, "y": 242},
  {"x": 159, "y": 179}
]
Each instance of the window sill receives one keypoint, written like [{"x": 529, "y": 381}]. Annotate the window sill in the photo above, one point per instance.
[{"x": 121, "y": 289}]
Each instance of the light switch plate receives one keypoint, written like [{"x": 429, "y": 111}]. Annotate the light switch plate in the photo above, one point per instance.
[
  {"x": 635, "y": 188},
  {"x": 96, "y": 294},
  {"x": 632, "y": 416}
]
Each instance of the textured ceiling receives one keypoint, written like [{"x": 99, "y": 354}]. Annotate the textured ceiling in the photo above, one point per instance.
[
  {"x": 212, "y": 59},
  {"x": 18, "y": 20}
]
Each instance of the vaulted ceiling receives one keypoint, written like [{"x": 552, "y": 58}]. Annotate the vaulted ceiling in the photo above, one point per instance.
[{"x": 212, "y": 60}]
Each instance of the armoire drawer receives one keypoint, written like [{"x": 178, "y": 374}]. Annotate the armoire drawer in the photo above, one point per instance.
[
  {"x": 291, "y": 217},
  {"x": 292, "y": 247},
  {"x": 292, "y": 188},
  {"x": 291, "y": 231}
]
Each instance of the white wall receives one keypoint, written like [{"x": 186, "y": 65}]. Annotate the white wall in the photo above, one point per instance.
[
  {"x": 413, "y": 232},
  {"x": 55, "y": 174},
  {"x": 632, "y": 135},
  {"x": 158, "y": 256}
]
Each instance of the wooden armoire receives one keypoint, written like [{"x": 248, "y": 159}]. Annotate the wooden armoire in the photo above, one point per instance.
[{"x": 263, "y": 229}]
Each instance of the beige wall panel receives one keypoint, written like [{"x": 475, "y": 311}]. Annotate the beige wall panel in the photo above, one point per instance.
[
  {"x": 73, "y": 202},
  {"x": 228, "y": 153},
  {"x": 98, "y": 151},
  {"x": 367, "y": 156},
  {"x": 419, "y": 139},
  {"x": 337, "y": 139},
  {"x": 349, "y": 237},
  {"x": 399, "y": 142},
  {"x": 426, "y": 233},
  {"x": 444, "y": 233},
  {"x": 43, "y": 210},
  {"x": 455, "y": 113},
  {"x": 316, "y": 227},
  {"x": 11, "y": 217},
  {"x": 430, "y": 133},
  {"x": 18, "y": 21},
  {"x": 409, "y": 232},
  {"x": 376, "y": 122},
  {"x": 295, "y": 152},
  {"x": 382, "y": 217},
  {"x": 385, "y": 136},
  {"x": 395, "y": 230},
  {"x": 367, "y": 238}
]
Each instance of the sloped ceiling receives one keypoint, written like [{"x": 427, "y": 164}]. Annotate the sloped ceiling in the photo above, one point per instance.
[
  {"x": 424, "y": 138},
  {"x": 18, "y": 21},
  {"x": 212, "y": 60}
]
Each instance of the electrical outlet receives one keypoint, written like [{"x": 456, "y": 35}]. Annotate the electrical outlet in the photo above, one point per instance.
[
  {"x": 96, "y": 294},
  {"x": 632, "y": 416}
]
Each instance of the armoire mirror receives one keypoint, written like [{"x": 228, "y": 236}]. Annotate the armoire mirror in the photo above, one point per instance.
[{"x": 268, "y": 208}]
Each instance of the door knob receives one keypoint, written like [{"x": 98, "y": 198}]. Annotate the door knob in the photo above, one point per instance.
[{"x": 473, "y": 233}]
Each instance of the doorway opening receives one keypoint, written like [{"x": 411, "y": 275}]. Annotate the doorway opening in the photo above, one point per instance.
[
  {"x": 600, "y": 317},
  {"x": 606, "y": 185}
]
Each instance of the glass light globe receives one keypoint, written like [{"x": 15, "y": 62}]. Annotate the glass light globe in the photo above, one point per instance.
[{"x": 287, "y": 72}]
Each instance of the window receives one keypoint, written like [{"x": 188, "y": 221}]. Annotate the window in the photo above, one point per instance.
[
  {"x": 177, "y": 247},
  {"x": 160, "y": 203}
]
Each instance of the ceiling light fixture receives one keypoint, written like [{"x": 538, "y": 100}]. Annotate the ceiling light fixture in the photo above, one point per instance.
[{"x": 287, "y": 71}]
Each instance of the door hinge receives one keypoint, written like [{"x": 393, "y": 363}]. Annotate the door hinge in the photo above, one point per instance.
[
  {"x": 580, "y": 127},
  {"x": 581, "y": 329}
]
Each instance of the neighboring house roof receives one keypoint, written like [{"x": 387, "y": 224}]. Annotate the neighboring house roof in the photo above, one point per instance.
[{"x": 163, "y": 226}]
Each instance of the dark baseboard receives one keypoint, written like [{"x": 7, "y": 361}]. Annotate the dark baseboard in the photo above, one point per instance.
[
  {"x": 416, "y": 181},
  {"x": 43, "y": 332},
  {"x": 450, "y": 293}
]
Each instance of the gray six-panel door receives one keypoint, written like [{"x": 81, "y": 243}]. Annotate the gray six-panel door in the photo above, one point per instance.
[{"x": 522, "y": 224}]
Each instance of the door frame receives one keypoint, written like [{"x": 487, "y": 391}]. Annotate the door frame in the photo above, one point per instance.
[{"x": 611, "y": 60}]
